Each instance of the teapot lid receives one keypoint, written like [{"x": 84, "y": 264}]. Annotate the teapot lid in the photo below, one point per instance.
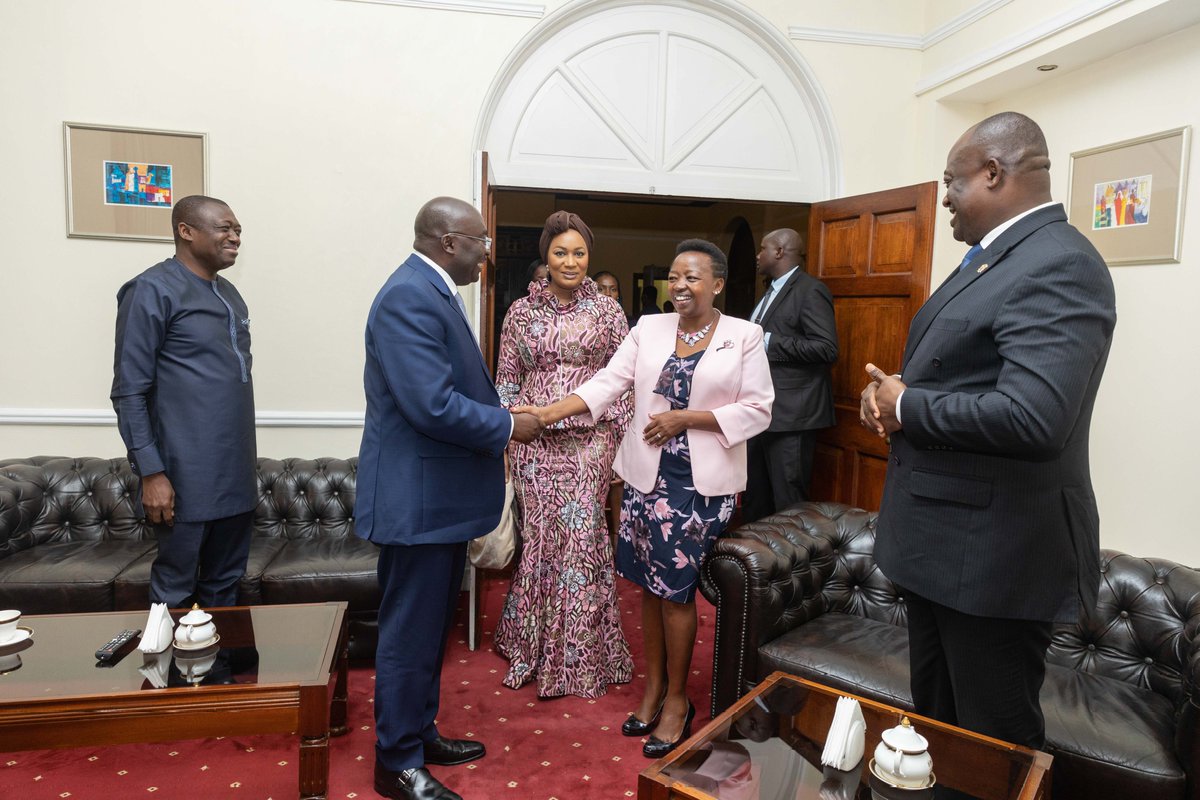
[
  {"x": 905, "y": 738},
  {"x": 196, "y": 616}
]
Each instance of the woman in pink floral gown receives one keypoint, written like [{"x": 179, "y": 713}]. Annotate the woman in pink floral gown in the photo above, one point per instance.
[{"x": 560, "y": 623}]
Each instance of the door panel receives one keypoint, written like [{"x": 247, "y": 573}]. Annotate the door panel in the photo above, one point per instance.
[
  {"x": 485, "y": 203},
  {"x": 873, "y": 252}
]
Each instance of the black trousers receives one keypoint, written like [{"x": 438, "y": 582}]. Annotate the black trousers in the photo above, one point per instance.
[
  {"x": 979, "y": 673},
  {"x": 778, "y": 472}
]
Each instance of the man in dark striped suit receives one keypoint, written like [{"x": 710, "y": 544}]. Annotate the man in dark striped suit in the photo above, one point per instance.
[{"x": 988, "y": 520}]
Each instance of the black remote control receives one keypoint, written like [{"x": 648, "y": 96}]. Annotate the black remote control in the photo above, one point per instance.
[{"x": 109, "y": 651}]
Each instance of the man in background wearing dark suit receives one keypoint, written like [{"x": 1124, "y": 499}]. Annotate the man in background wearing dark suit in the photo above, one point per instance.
[
  {"x": 430, "y": 478},
  {"x": 800, "y": 334},
  {"x": 988, "y": 520}
]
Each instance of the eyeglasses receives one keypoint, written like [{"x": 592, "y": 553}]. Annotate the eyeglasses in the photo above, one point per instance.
[{"x": 487, "y": 240}]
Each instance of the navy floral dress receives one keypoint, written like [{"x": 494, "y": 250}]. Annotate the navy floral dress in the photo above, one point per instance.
[{"x": 666, "y": 533}]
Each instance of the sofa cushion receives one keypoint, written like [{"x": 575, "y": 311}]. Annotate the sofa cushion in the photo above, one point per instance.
[
  {"x": 1110, "y": 735},
  {"x": 320, "y": 569},
  {"x": 848, "y": 653},
  {"x": 66, "y": 578}
]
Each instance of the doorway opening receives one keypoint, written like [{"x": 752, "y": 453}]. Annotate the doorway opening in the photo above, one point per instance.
[{"x": 635, "y": 240}]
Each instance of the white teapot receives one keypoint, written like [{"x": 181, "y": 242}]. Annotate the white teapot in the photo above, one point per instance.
[
  {"x": 196, "y": 629},
  {"x": 902, "y": 757}
]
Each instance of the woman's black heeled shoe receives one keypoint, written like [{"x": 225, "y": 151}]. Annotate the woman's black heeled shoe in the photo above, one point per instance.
[
  {"x": 657, "y": 748},
  {"x": 635, "y": 727}
]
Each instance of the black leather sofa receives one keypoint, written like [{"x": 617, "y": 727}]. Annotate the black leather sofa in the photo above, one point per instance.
[
  {"x": 72, "y": 540},
  {"x": 800, "y": 591}
]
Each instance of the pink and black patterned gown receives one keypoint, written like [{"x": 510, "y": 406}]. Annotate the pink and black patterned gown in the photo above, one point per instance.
[{"x": 560, "y": 623}]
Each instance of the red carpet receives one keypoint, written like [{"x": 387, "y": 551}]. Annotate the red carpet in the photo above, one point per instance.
[{"x": 568, "y": 748}]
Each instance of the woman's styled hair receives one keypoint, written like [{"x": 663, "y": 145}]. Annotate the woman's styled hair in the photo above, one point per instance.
[
  {"x": 559, "y": 223},
  {"x": 720, "y": 265}
]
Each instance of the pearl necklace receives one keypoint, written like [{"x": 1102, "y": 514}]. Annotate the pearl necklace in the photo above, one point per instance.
[{"x": 690, "y": 339}]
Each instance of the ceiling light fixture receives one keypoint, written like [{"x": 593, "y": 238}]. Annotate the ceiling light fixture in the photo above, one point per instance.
[{"x": 1047, "y": 67}]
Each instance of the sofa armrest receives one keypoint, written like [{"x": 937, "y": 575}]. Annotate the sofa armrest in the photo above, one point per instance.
[
  {"x": 20, "y": 504},
  {"x": 765, "y": 578},
  {"x": 1187, "y": 729}
]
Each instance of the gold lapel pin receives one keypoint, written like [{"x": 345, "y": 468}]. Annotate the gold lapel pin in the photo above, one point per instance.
[{"x": 982, "y": 269}]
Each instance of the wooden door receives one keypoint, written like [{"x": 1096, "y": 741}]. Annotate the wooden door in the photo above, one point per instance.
[
  {"x": 485, "y": 202},
  {"x": 873, "y": 251}
]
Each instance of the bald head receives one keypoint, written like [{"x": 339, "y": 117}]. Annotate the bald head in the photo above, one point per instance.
[
  {"x": 996, "y": 170},
  {"x": 780, "y": 251},
  {"x": 451, "y": 233}
]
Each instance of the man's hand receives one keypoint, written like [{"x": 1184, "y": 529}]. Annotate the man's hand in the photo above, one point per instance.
[
  {"x": 877, "y": 404},
  {"x": 526, "y": 427},
  {"x": 158, "y": 498}
]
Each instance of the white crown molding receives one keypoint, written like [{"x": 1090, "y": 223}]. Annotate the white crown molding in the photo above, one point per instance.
[
  {"x": 98, "y": 417},
  {"x": 956, "y": 24},
  {"x": 855, "y": 37},
  {"x": 506, "y": 9},
  {"x": 1065, "y": 20},
  {"x": 871, "y": 39}
]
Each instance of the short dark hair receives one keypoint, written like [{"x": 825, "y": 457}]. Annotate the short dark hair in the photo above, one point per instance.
[
  {"x": 559, "y": 223},
  {"x": 720, "y": 265},
  {"x": 188, "y": 210}
]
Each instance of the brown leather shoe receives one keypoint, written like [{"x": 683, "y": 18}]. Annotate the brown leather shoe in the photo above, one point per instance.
[
  {"x": 450, "y": 752},
  {"x": 411, "y": 784}
]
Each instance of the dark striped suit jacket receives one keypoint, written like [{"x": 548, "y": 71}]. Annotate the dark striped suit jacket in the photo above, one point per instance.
[{"x": 988, "y": 505}]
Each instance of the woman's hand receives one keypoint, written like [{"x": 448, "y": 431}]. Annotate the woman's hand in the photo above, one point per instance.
[
  {"x": 663, "y": 427},
  {"x": 540, "y": 413}
]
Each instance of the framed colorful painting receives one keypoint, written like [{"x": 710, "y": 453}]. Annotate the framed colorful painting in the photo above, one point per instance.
[
  {"x": 122, "y": 182},
  {"x": 1127, "y": 197}
]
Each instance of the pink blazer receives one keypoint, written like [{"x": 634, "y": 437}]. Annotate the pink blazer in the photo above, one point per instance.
[{"x": 732, "y": 380}]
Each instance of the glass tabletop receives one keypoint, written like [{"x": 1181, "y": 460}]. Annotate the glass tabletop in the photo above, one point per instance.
[
  {"x": 275, "y": 645},
  {"x": 771, "y": 745}
]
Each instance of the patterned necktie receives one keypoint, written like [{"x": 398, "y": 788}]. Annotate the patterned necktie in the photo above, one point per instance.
[
  {"x": 974, "y": 251},
  {"x": 762, "y": 308}
]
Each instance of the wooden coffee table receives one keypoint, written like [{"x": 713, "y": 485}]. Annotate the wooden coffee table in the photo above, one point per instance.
[
  {"x": 769, "y": 744},
  {"x": 276, "y": 669}
]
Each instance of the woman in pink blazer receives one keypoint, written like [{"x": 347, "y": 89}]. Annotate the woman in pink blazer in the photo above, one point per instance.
[{"x": 701, "y": 388}]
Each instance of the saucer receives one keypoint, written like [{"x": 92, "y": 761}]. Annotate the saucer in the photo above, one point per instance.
[
  {"x": 21, "y": 635},
  {"x": 199, "y": 645},
  {"x": 878, "y": 773}
]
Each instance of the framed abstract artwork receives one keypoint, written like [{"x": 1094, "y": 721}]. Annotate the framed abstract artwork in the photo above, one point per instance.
[
  {"x": 123, "y": 182},
  {"x": 1127, "y": 198}
]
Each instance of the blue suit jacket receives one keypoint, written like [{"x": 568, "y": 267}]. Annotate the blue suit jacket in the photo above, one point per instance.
[
  {"x": 430, "y": 467},
  {"x": 988, "y": 505}
]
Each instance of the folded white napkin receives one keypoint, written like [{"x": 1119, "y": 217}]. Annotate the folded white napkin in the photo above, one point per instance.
[
  {"x": 847, "y": 736},
  {"x": 159, "y": 630}
]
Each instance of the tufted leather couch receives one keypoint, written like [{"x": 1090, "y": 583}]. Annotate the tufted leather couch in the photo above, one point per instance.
[
  {"x": 800, "y": 591},
  {"x": 72, "y": 539}
]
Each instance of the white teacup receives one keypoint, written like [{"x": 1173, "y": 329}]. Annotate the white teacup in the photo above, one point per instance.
[{"x": 8, "y": 624}]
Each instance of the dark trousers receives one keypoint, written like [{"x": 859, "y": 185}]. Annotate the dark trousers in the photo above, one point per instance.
[
  {"x": 420, "y": 586},
  {"x": 778, "y": 472},
  {"x": 201, "y": 562},
  {"x": 979, "y": 673}
]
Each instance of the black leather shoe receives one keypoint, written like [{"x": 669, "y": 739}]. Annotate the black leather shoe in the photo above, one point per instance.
[
  {"x": 449, "y": 752},
  {"x": 635, "y": 727},
  {"x": 411, "y": 784},
  {"x": 657, "y": 748}
]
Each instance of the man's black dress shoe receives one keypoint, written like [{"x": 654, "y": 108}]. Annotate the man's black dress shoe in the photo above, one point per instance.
[
  {"x": 657, "y": 748},
  {"x": 449, "y": 752},
  {"x": 411, "y": 784}
]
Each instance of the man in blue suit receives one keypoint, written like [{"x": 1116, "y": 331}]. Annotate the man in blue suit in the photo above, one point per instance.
[
  {"x": 988, "y": 521},
  {"x": 430, "y": 478}
]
